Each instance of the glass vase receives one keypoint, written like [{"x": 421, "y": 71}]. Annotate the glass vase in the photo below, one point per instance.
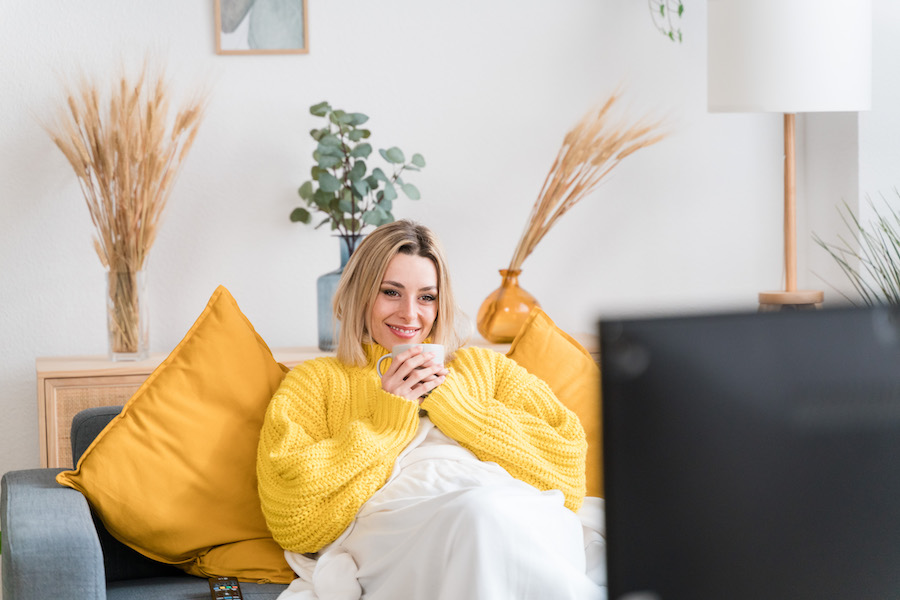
[
  {"x": 127, "y": 315},
  {"x": 505, "y": 310},
  {"x": 326, "y": 285}
]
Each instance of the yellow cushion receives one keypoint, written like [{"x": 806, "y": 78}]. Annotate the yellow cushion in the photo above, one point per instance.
[
  {"x": 174, "y": 475},
  {"x": 550, "y": 353}
]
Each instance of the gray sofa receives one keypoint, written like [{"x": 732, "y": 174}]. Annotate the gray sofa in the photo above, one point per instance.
[{"x": 53, "y": 546}]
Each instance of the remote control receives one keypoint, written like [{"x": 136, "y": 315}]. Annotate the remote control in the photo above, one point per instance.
[{"x": 225, "y": 588}]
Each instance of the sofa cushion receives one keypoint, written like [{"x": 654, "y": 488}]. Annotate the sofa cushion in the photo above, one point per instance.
[
  {"x": 120, "y": 563},
  {"x": 568, "y": 368},
  {"x": 173, "y": 476}
]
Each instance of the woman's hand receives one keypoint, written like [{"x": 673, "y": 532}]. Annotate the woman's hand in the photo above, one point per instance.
[{"x": 413, "y": 374}]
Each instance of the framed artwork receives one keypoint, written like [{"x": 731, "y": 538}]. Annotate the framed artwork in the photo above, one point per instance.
[{"x": 262, "y": 27}]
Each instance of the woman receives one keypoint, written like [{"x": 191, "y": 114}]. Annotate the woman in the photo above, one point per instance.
[{"x": 472, "y": 497}]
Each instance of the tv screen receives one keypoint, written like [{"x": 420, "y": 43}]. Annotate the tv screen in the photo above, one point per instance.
[{"x": 753, "y": 456}]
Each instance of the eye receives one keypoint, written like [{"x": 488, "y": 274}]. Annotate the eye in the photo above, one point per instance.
[
  {"x": 428, "y": 298},
  {"x": 390, "y": 292}
]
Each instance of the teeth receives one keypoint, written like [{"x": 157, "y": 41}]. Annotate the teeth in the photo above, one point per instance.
[{"x": 402, "y": 330}]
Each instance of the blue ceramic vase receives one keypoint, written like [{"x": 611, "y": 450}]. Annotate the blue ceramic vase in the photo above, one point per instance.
[{"x": 326, "y": 285}]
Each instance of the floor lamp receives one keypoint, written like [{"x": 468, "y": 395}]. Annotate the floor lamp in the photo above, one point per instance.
[{"x": 789, "y": 56}]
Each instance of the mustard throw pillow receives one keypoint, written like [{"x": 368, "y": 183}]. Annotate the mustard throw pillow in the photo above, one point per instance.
[
  {"x": 571, "y": 372},
  {"x": 174, "y": 474}
]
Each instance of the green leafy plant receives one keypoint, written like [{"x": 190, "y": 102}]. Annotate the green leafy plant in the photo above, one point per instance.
[
  {"x": 341, "y": 187},
  {"x": 665, "y": 13},
  {"x": 872, "y": 260}
]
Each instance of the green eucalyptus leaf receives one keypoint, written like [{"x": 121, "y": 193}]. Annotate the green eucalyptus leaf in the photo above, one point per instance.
[
  {"x": 315, "y": 171},
  {"x": 336, "y": 115},
  {"x": 393, "y": 155},
  {"x": 411, "y": 191},
  {"x": 343, "y": 118},
  {"x": 330, "y": 140},
  {"x": 328, "y": 182},
  {"x": 374, "y": 217},
  {"x": 378, "y": 174},
  {"x": 361, "y": 188},
  {"x": 396, "y": 155},
  {"x": 365, "y": 133},
  {"x": 418, "y": 160},
  {"x": 322, "y": 199},
  {"x": 355, "y": 135},
  {"x": 317, "y": 134},
  {"x": 361, "y": 150},
  {"x": 385, "y": 204},
  {"x": 329, "y": 162},
  {"x": 323, "y": 221},
  {"x": 358, "y": 171},
  {"x": 334, "y": 151},
  {"x": 306, "y": 192},
  {"x": 358, "y": 119},
  {"x": 300, "y": 215},
  {"x": 345, "y": 204},
  {"x": 390, "y": 193},
  {"x": 320, "y": 110}
]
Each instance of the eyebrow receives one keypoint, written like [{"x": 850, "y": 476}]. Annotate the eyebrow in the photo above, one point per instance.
[{"x": 397, "y": 284}]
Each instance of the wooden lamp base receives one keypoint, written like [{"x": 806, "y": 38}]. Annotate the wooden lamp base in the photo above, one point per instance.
[{"x": 793, "y": 300}]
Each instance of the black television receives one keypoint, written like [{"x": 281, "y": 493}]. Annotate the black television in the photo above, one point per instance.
[{"x": 753, "y": 456}]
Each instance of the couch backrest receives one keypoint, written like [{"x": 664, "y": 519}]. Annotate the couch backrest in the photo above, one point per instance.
[{"x": 87, "y": 424}]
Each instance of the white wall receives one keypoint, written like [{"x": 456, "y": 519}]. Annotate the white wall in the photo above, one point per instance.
[
  {"x": 879, "y": 129},
  {"x": 484, "y": 89}
]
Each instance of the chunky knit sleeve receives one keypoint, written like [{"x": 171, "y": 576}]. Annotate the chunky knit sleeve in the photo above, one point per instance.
[
  {"x": 328, "y": 442},
  {"x": 502, "y": 413}
]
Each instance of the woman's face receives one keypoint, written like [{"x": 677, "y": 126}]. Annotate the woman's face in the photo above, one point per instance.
[{"x": 405, "y": 307}]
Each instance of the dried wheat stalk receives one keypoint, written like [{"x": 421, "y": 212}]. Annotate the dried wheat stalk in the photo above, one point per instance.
[
  {"x": 126, "y": 151},
  {"x": 590, "y": 150}
]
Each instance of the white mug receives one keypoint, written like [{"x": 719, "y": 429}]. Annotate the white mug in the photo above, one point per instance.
[{"x": 436, "y": 349}]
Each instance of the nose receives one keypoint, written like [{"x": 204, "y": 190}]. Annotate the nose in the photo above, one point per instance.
[{"x": 407, "y": 310}]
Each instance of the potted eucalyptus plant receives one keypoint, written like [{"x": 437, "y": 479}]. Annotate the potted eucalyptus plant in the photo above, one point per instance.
[
  {"x": 349, "y": 196},
  {"x": 342, "y": 188}
]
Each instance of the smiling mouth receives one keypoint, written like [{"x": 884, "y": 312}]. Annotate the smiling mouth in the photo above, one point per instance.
[{"x": 403, "y": 330}]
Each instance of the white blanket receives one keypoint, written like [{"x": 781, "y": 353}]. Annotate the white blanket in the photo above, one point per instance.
[{"x": 449, "y": 526}]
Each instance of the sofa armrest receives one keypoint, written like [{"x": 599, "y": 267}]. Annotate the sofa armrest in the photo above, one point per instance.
[{"x": 49, "y": 540}]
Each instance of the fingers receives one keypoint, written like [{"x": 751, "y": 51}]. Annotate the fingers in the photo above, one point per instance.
[{"x": 413, "y": 374}]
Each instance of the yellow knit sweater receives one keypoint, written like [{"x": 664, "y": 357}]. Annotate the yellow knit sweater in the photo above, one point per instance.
[{"x": 331, "y": 435}]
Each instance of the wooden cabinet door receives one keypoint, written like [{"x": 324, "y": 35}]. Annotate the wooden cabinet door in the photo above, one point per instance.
[{"x": 64, "y": 397}]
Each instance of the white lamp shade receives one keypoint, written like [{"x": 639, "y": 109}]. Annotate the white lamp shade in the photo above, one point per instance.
[{"x": 789, "y": 56}]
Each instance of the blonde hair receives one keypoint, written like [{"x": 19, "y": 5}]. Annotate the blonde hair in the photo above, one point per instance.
[{"x": 361, "y": 283}]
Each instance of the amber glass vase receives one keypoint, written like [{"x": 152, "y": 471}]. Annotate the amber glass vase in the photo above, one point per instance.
[{"x": 503, "y": 312}]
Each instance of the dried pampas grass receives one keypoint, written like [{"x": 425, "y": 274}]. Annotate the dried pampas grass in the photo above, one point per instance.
[
  {"x": 126, "y": 150},
  {"x": 590, "y": 150}
]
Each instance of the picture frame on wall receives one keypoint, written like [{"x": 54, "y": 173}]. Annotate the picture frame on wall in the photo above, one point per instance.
[{"x": 262, "y": 27}]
